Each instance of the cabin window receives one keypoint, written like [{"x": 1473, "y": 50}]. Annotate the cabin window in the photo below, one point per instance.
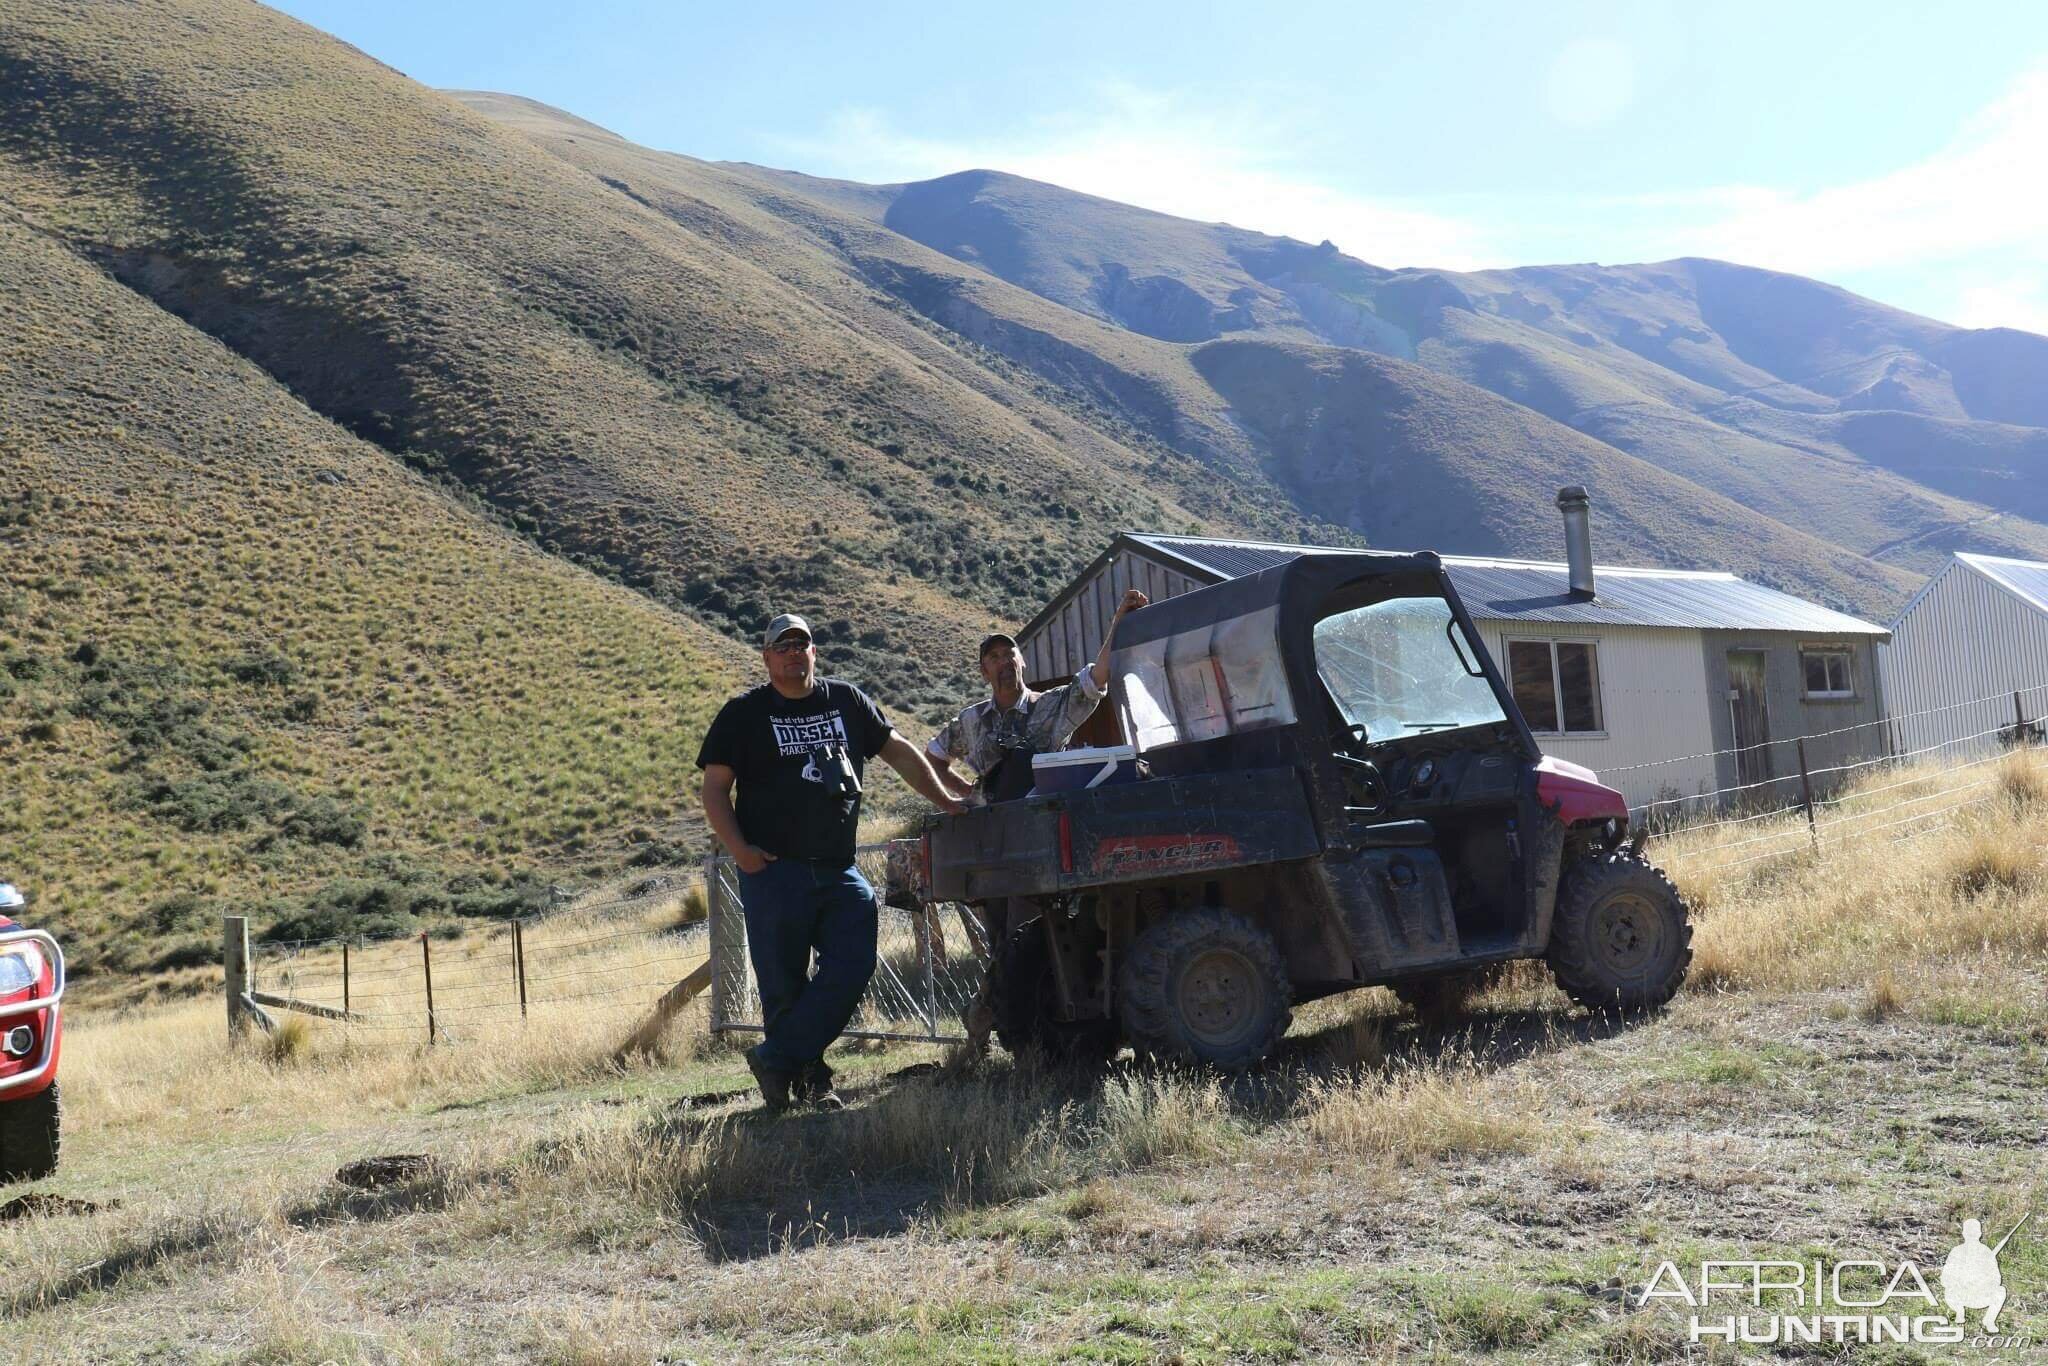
[
  {"x": 1827, "y": 672},
  {"x": 1557, "y": 685}
]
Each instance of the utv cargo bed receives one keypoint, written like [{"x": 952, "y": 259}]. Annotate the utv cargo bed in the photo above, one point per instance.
[{"x": 1129, "y": 832}]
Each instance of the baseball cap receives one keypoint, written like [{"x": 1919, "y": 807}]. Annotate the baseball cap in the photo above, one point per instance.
[
  {"x": 994, "y": 639},
  {"x": 782, "y": 626}
]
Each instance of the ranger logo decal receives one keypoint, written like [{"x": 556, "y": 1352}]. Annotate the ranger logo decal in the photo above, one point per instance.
[{"x": 1163, "y": 853}]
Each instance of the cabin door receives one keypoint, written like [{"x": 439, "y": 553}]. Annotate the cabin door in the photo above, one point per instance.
[{"x": 1751, "y": 713}]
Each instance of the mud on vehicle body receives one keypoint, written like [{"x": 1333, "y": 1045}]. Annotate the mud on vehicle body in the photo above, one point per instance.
[
  {"x": 31, "y": 1037},
  {"x": 1342, "y": 794}
]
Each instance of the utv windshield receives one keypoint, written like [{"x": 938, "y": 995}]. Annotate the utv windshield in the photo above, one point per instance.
[{"x": 1403, "y": 667}]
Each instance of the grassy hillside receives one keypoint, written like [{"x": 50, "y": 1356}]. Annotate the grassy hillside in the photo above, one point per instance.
[
  {"x": 1441, "y": 464},
  {"x": 248, "y": 661},
  {"x": 1372, "y": 431},
  {"x": 635, "y": 393}
]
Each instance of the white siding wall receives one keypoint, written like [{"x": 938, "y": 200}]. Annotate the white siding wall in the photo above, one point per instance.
[
  {"x": 1965, "y": 638},
  {"x": 1653, "y": 703}
]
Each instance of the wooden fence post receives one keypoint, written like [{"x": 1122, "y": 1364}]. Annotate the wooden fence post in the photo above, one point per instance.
[
  {"x": 519, "y": 963},
  {"x": 2019, "y": 720},
  {"x": 1806, "y": 793},
  {"x": 427, "y": 971},
  {"x": 727, "y": 936},
  {"x": 344, "y": 977},
  {"x": 234, "y": 958}
]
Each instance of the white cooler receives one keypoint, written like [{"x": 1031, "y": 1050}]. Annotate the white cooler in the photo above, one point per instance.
[{"x": 1070, "y": 770}]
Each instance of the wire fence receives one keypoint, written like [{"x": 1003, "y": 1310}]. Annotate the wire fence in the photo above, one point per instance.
[
  {"x": 620, "y": 954},
  {"x": 1899, "y": 794},
  {"x": 930, "y": 958}
]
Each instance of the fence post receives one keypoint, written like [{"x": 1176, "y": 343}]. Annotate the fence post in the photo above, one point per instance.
[
  {"x": 2019, "y": 720},
  {"x": 235, "y": 959},
  {"x": 1806, "y": 793},
  {"x": 519, "y": 963},
  {"x": 727, "y": 938},
  {"x": 427, "y": 971},
  {"x": 934, "y": 930},
  {"x": 344, "y": 977}
]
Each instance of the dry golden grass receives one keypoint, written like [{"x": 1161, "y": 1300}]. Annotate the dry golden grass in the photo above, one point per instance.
[
  {"x": 1423, "y": 1111},
  {"x": 1955, "y": 883}
]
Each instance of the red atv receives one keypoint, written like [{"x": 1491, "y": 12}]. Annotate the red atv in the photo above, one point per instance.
[{"x": 31, "y": 986}]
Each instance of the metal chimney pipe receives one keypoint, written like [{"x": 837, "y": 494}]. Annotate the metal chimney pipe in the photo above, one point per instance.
[{"x": 1577, "y": 508}]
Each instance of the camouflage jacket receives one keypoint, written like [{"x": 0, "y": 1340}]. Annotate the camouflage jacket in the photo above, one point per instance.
[{"x": 1045, "y": 721}]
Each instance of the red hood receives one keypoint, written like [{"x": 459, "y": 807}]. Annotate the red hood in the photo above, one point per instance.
[{"x": 1576, "y": 793}]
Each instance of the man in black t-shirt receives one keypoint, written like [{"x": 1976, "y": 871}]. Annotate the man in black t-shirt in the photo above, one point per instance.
[{"x": 797, "y": 747}]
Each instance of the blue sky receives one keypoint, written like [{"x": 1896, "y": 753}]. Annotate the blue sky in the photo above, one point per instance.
[{"x": 1899, "y": 150}]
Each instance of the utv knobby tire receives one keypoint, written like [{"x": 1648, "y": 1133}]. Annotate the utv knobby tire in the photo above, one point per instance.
[
  {"x": 1022, "y": 994},
  {"x": 1206, "y": 986},
  {"x": 1620, "y": 940},
  {"x": 1446, "y": 997},
  {"x": 30, "y": 1132}
]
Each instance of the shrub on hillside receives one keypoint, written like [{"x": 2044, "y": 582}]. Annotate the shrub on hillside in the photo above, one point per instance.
[
  {"x": 213, "y": 803},
  {"x": 181, "y": 911},
  {"x": 264, "y": 668},
  {"x": 322, "y": 820},
  {"x": 374, "y": 908}
]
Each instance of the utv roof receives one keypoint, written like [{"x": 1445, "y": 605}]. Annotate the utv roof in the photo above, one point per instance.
[
  {"x": 1312, "y": 569},
  {"x": 1522, "y": 590}
]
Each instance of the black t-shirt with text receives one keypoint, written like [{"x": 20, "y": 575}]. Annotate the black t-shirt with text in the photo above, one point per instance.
[{"x": 777, "y": 748}]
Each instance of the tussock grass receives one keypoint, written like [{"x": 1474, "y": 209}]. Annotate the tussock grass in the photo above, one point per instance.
[
  {"x": 2023, "y": 780},
  {"x": 289, "y": 1042},
  {"x": 1423, "y": 1111},
  {"x": 1964, "y": 887},
  {"x": 1884, "y": 1000}
]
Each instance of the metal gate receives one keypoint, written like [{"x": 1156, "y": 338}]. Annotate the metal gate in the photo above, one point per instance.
[{"x": 929, "y": 962}]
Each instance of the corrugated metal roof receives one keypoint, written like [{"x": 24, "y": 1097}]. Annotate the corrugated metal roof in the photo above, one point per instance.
[
  {"x": 1537, "y": 590},
  {"x": 2025, "y": 579}
]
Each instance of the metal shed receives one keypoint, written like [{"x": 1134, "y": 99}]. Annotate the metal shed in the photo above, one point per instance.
[
  {"x": 1967, "y": 663},
  {"x": 1666, "y": 666}
]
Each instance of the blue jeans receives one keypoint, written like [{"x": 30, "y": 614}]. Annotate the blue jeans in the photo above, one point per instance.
[{"x": 793, "y": 907}]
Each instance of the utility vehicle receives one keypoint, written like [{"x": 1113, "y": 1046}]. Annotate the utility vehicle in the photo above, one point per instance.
[
  {"x": 1337, "y": 791},
  {"x": 31, "y": 1035}
]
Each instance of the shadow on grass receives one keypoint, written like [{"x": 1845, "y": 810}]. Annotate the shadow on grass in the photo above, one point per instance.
[
  {"x": 1488, "y": 1040},
  {"x": 927, "y": 1140},
  {"x": 190, "y": 1240}
]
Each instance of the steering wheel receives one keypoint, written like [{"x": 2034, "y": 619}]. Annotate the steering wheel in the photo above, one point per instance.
[{"x": 1370, "y": 785}]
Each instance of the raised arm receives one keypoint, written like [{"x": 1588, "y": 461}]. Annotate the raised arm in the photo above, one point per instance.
[
  {"x": 899, "y": 754},
  {"x": 1133, "y": 600}
]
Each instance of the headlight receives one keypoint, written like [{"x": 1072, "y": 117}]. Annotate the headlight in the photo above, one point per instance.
[{"x": 21, "y": 966}]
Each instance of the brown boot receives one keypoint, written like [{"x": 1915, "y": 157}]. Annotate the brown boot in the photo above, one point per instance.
[{"x": 774, "y": 1085}]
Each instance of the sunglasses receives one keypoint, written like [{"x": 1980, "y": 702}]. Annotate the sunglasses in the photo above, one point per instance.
[{"x": 793, "y": 646}]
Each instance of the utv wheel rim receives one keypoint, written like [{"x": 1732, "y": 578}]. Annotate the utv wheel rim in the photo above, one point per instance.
[
  {"x": 1628, "y": 933},
  {"x": 1219, "y": 998}
]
